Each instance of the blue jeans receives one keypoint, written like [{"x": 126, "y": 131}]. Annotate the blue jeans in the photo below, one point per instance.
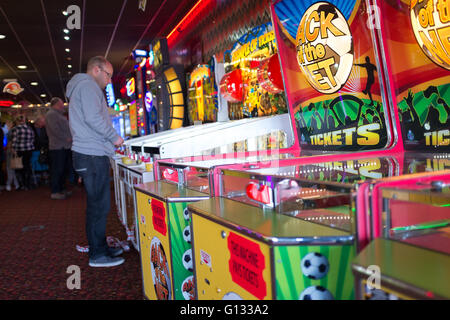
[{"x": 94, "y": 170}]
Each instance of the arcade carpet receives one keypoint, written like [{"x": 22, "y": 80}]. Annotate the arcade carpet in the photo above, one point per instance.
[{"x": 38, "y": 239}]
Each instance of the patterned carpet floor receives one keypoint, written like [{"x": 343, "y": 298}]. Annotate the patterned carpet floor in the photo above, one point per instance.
[{"x": 38, "y": 239}]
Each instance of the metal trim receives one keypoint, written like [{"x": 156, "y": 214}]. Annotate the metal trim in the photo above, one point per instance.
[{"x": 275, "y": 241}]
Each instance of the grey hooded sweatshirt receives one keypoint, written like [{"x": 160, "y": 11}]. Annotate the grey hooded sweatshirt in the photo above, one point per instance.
[{"x": 89, "y": 121}]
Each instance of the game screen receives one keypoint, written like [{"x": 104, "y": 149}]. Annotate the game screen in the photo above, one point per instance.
[
  {"x": 253, "y": 84},
  {"x": 202, "y": 95},
  {"x": 331, "y": 74}
]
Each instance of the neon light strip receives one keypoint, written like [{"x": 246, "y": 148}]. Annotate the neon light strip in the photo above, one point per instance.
[{"x": 185, "y": 17}]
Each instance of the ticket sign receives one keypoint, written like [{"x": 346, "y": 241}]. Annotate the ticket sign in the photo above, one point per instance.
[
  {"x": 159, "y": 216},
  {"x": 247, "y": 264},
  {"x": 331, "y": 74},
  {"x": 417, "y": 54}
]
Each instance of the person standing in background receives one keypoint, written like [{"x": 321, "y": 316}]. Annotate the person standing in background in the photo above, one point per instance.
[
  {"x": 22, "y": 139},
  {"x": 93, "y": 144},
  {"x": 11, "y": 173},
  {"x": 2, "y": 154},
  {"x": 60, "y": 142}
]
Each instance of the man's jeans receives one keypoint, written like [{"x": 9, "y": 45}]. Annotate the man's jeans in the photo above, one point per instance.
[
  {"x": 94, "y": 170},
  {"x": 59, "y": 168}
]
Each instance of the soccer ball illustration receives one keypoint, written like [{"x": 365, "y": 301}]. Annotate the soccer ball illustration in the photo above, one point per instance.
[
  {"x": 187, "y": 234},
  {"x": 187, "y": 260},
  {"x": 186, "y": 213},
  {"x": 315, "y": 265},
  {"x": 325, "y": 47},
  {"x": 231, "y": 296},
  {"x": 316, "y": 293}
]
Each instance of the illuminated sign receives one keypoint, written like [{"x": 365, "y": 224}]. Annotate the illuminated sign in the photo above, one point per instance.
[
  {"x": 160, "y": 53},
  {"x": 431, "y": 24},
  {"x": 6, "y": 103},
  {"x": 139, "y": 53},
  {"x": 110, "y": 95},
  {"x": 148, "y": 101},
  {"x": 143, "y": 62},
  {"x": 151, "y": 57},
  {"x": 131, "y": 87},
  {"x": 324, "y": 47},
  {"x": 13, "y": 88},
  {"x": 121, "y": 106}
]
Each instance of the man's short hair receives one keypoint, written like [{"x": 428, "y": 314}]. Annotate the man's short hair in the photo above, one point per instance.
[
  {"x": 54, "y": 101},
  {"x": 99, "y": 61},
  {"x": 20, "y": 118}
]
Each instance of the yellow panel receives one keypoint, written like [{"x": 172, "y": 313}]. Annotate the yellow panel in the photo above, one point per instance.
[
  {"x": 213, "y": 262},
  {"x": 178, "y": 112},
  {"x": 176, "y": 123},
  {"x": 170, "y": 74},
  {"x": 174, "y": 86},
  {"x": 154, "y": 238},
  {"x": 177, "y": 99}
]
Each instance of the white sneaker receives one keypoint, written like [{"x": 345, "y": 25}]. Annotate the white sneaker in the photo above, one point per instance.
[
  {"x": 106, "y": 261},
  {"x": 8, "y": 188}
]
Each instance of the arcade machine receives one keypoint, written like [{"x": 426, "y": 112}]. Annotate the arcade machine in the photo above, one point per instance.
[
  {"x": 246, "y": 136},
  {"x": 123, "y": 179},
  {"x": 167, "y": 105},
  {"x": 140, "y": 67},
  {"x": 279, "y": 234},
  {"x": 169, "y": 87},
  {"x": 176, "y": 200},
  {"x": 412, "y": 257},
  {"x": 165, "y": 241},
  {"x": 409, "y": 257},
  {"x": 338, "y": 108}
]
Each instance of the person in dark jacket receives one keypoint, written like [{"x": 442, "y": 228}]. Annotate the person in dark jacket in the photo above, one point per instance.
[{"x": 60, "y": 142}]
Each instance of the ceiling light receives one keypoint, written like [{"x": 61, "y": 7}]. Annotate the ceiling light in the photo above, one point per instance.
[
  {"x": 69, "y": 66},
  {"x": 2, "y": 36},
  {"x": 67, "y": 38},
  {"x": 66, "y": 31},
  {"x": 34, "y": 83},
  {"x": 69, "y": 58},
  {"x": 21, "y": 67},
  {"x": 43, "y": 95},
  {"x": 64, "y": 12},
  {"x": 67, "y": 50}
]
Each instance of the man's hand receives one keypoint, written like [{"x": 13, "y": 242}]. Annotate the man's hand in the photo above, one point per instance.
[{"x": 118, "y": 142}]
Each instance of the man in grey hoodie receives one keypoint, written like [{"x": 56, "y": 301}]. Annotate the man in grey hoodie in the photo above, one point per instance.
[{"x": 93, "y": 141}]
